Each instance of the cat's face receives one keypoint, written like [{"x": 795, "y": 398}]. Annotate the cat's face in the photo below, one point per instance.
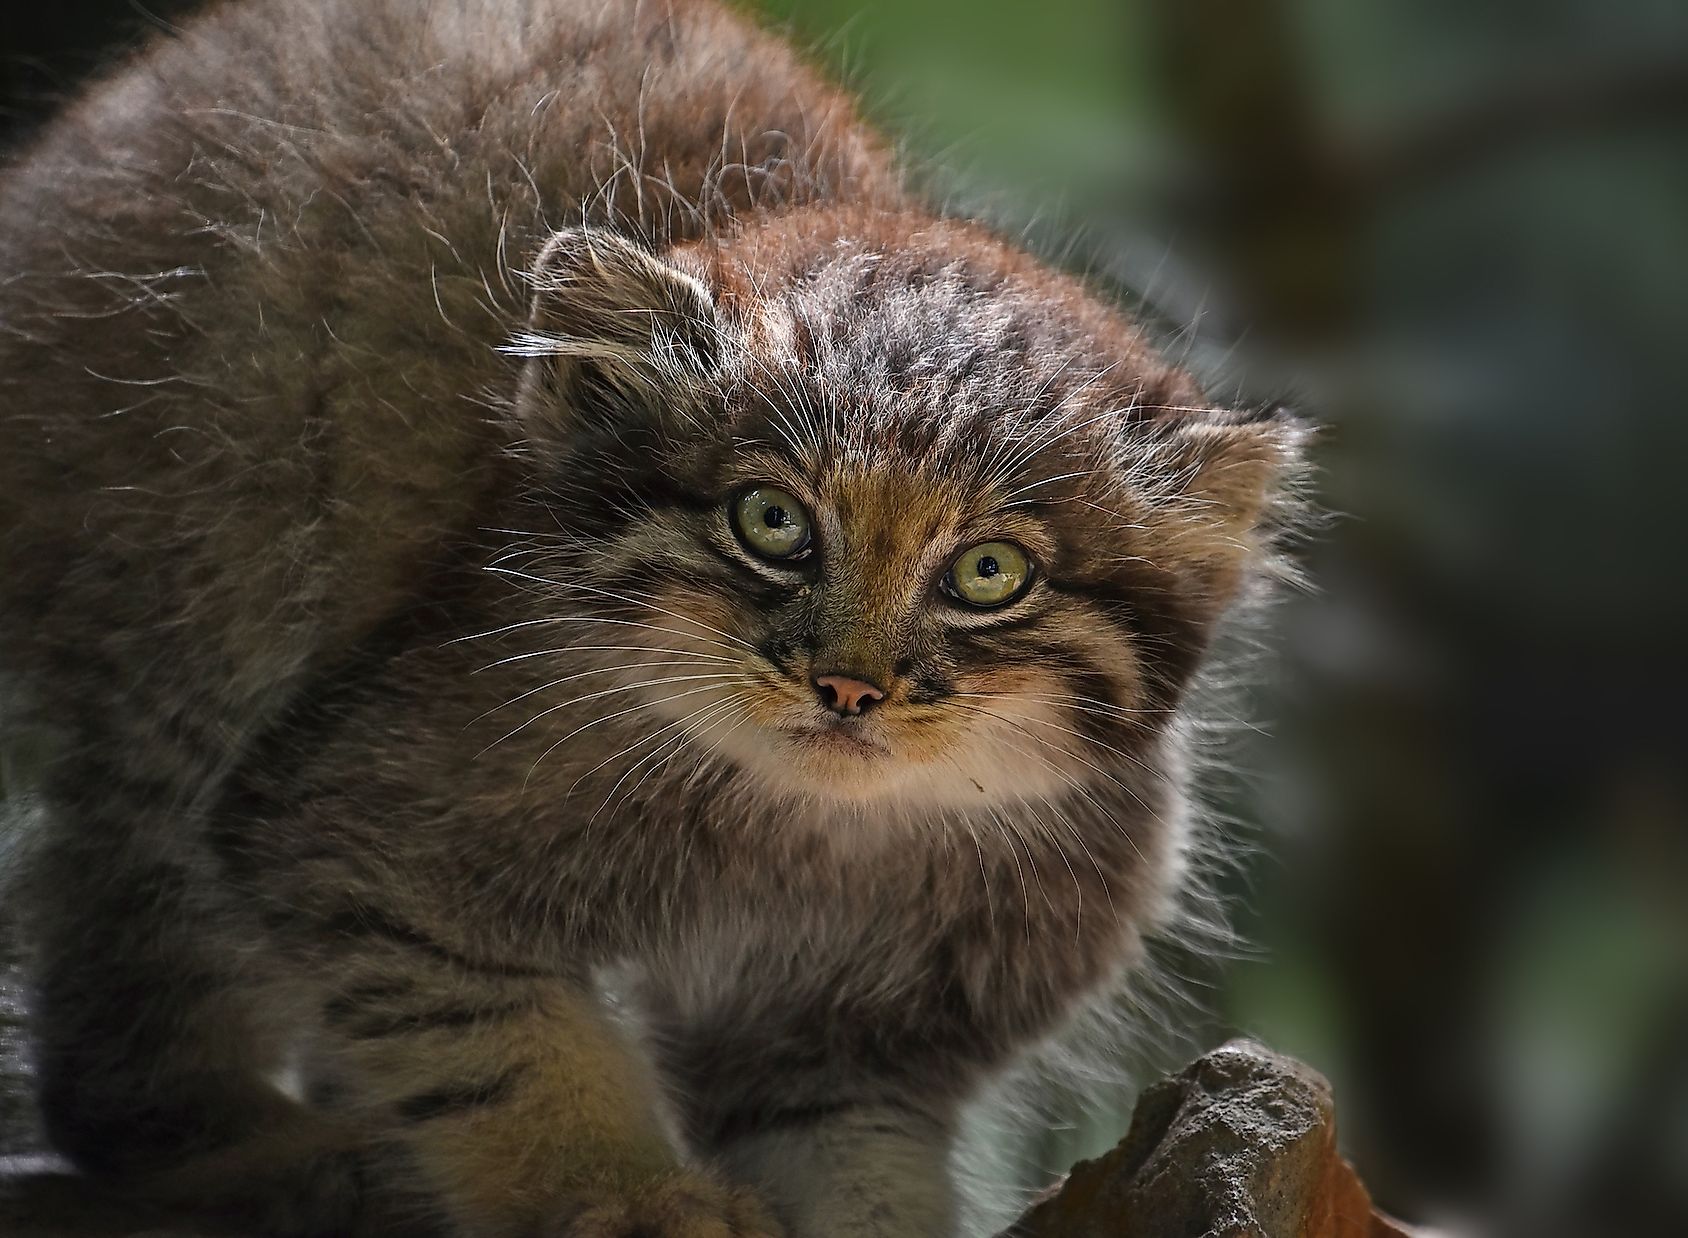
[
  {"x": 891, "y": 518},
  {"x": 903, "y": 632}
]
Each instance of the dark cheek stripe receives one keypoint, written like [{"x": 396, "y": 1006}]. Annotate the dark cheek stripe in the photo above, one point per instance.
[
  {"x": 710, "y": 568},
  {"x": 1166, "y": 629},
  {"x": 1166, "y": 667},
  {"x": 1017, "y": 646},
  {"x": 1094, "y": 726},
  {"x": 777, "y": 650},
  {"x": 930, "y": 687}
]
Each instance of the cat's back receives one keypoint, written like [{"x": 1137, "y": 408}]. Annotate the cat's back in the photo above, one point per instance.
[{"x": 254, "y": 287}]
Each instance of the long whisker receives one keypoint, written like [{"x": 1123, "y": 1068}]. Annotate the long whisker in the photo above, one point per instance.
[
  {"x": 1091, "y": 765},
  {"x": 1048, "y": 833},
  {"x": 624, "y": 623},
  {"x": 1014, "y": 836},
  {"x": 593, "y": 696},
  {"x": 789, "y": 432},
  {"x": 984, "y": 876},
  {"x": 693, "y": 733},
  {"x": 645, "y": 600},
  {"x": 549, "y": 619},
  {"x": 1058, "y": 427},
  {"x": 1023, "y": 458},
  {"x": 1041, "y": 482},
  {"x": 621, "y": 713},
  {"x": 596, "y": 670},
  {"x": 1085, "y": 704},
  {"x": 1107, "y": 890},
  {"x": 1124, "y": 523},
  {"x": 573, "y": 648},
  {"x": 1079, "y": 788},
  {"x": 554, "y": 583},
  {"x": 640, "y": 743},
  {"x": 712, "y": 709},
  {"x": 1026, "y": 408},
  {"x": 1124, "y": 756},
  {"x": 1025, "y": 895},
  {"x": 660, "y": 757}
]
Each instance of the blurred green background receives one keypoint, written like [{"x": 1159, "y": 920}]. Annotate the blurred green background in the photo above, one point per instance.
[{"x": 1455, "y": 234}]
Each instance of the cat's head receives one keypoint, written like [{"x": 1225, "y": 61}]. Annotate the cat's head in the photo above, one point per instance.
[{"x": 890, "y": 510}]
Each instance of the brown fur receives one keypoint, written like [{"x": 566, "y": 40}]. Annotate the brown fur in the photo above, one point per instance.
[{"x": 377, "y": 379}]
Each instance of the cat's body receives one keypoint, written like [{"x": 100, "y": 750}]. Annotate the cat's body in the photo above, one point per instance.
[{"x": 367, "y": 546}]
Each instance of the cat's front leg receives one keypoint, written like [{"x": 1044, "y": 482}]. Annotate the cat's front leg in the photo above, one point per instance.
[
  {"x": 856, "y": 1171},
  {"x": 520, "y": 1106}
]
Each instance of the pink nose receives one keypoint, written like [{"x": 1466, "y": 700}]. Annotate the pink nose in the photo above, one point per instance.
[{"x": 844, "y": 695}]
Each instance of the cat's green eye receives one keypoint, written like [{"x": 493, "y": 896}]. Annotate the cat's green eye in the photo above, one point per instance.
[
  {"x": 771, "y": 522},
  {"x": 989, "y": 574}
]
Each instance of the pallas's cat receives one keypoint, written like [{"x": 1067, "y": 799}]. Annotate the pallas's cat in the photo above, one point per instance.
[{"x": 502, "y": 495}]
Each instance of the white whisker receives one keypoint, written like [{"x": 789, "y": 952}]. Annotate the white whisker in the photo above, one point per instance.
[
  {"x": 593, "y": 696},
  {"x": 572, "y": 648},
  {"x": 596, "y": 670}
]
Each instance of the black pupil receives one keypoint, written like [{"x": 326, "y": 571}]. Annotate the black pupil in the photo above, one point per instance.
[
  {"x": 774, "y": 516},
  {"x": 988, "y": 566}
]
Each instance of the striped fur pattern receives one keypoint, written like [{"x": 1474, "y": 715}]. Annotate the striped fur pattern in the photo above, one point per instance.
[{"x": 443, "y": 833}]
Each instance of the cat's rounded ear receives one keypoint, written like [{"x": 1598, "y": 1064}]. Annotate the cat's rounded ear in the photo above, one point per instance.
[
  {"x": 1227, "y": 484},
  {"x": 614, "y": 332}
]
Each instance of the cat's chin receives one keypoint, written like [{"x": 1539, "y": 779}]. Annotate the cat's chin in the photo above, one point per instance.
[
  {"x": 832, "y": 762},
  {"x": 838, "y": 742},
  {"x": 845, "y": 765},
  {"x": 837, "y": 762}
]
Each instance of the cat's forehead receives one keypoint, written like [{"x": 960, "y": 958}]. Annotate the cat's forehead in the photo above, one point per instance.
[
  {"x": 940, "y": 373},
  {"x": 862, "y": 420},
  {"x": 895, "y": 300},
  {"x": 873, "y": 454},
  {"x": 933, "y": 337},
  {"x": 942, "y": 357}
]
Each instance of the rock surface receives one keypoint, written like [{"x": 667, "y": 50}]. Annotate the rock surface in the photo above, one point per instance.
[{"x": 1241, "y": 1144}]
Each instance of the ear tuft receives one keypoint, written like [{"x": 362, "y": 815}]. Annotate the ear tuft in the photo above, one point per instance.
[{"x": 614, "y": 330}]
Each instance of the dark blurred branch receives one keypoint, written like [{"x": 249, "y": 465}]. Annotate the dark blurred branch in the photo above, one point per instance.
[
  {"x": 1283, "y": 205},
  {"x": 1267, "y": 203},
  {"x": 1559, "y": 105}
]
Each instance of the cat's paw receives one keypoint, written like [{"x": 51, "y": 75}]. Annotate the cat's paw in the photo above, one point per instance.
[{"x": 684, "y": 1206}]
